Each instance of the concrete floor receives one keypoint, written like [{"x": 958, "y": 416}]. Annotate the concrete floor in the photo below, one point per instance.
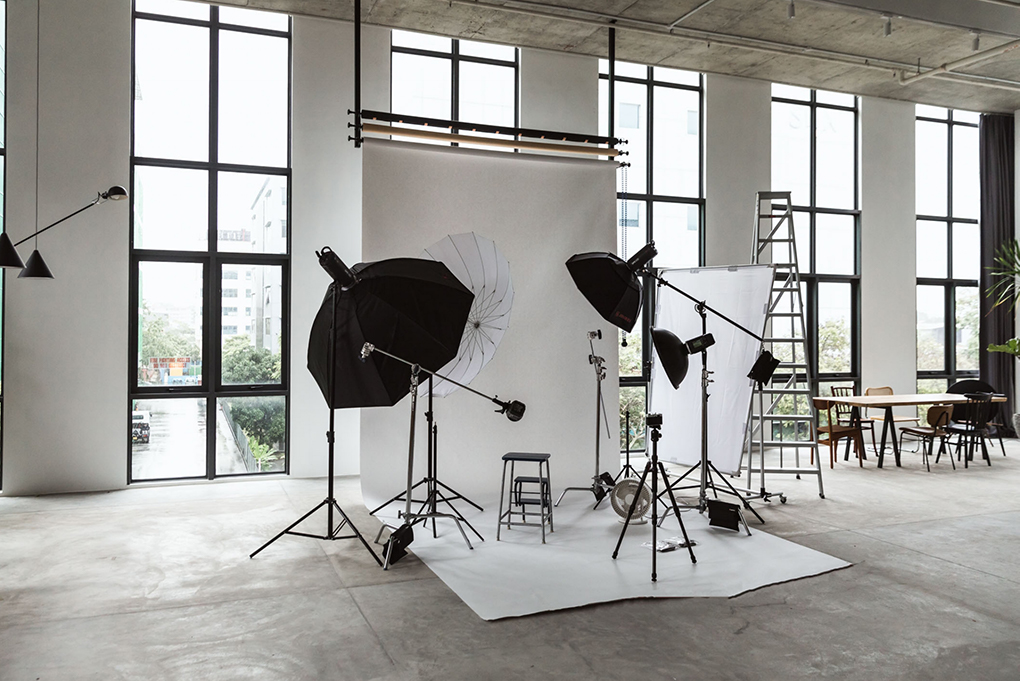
[{"x": 155, "y": 583}]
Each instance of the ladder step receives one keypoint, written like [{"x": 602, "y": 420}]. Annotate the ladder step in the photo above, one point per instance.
[
  {"x": 788, "y": 443},
  {"x": 792, "y": 365},
  {"x": 787, "y": 391},
  {"x": 768, "y": 196},
  {"x": 784, "y": 340},
  {"x": 785, "y": 417},
  {"x": 774, "y": 241},
  {"x": 784, "y": 314},
  {"x": 791, "y": 471}
]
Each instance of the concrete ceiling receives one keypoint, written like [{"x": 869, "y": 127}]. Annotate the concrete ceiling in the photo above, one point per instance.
[{"x": 829, "y": 44}]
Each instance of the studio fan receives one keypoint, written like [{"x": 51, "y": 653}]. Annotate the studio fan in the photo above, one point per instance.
[{"x": 623, "y": 495}]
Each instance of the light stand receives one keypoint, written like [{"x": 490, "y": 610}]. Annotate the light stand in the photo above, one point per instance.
[
  {"x": 601, "y": 483},
  {"x": 656, "y": 468},
  {"x": 330, "y": 502},
  {"x": 434, "y": 494},
  {"x": 705, "y": 466},
  {"x": 514, "y": 411},
  {"x": 627, "y": 470}
]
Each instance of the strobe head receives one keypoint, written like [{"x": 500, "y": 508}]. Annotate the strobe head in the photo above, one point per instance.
[{"x": 513, "y": 409}]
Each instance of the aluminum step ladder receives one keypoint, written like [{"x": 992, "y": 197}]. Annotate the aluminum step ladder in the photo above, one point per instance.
[{"x": 781, "y": 416}]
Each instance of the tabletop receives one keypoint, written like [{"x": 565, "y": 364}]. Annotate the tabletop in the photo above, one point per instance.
[{"x": 904, "y": 400}]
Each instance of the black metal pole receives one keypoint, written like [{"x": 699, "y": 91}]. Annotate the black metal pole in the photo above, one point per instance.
[
  {"x": 612, "y": 83},
  {"x": 37, "y": 233},
  {"x": 357, "y": 73},
  {"x": 662, "y": 282}
]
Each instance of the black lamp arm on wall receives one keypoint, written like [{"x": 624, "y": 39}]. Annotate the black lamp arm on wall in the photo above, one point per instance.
[{"x": 36, "y": 267}]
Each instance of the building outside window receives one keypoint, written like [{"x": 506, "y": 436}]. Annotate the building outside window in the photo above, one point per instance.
[
  {"x": 948, "y": 246},
  {"x": 659, "y": 197},
  {"x": 211, "y": 181},
  {"x": 814, "y": 156}
]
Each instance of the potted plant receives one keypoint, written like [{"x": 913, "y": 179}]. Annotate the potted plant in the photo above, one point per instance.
[{"x": 1006, "y": 290}]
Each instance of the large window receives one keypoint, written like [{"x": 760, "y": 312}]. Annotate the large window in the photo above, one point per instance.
[
  {"x": 659, "y": 197},
  {"x": 814, "y": 156},
  {"x": 211, "y": 187},
  {"x": 456, "y": 80},
  {"x": 948, "y": 241}
]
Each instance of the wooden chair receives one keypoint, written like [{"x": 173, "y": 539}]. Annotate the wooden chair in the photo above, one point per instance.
[
  {"x": 938, "y": 423},
  {"x": 834, "y": 432},
  {"x": 844, "y": 413},
  {"x": 886, "y": 390}
]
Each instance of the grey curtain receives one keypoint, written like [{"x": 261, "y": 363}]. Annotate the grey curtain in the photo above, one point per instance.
[{"x": 997, "y": 226}]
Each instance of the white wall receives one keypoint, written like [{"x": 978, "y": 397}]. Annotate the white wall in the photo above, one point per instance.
[
  {"x": 66, "y": 340},
  {"x": 326, "y": 211},
  {"x": 888, "y": 236},
  {"x": 738, "y": 153},
  {"x": 559, "y": 92}
]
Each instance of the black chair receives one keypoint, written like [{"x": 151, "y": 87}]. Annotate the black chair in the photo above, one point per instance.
[
  {"x": 938, "y": 421},
  {"x": 973, "y": 385},
  {"x": 972, "y": 431}
]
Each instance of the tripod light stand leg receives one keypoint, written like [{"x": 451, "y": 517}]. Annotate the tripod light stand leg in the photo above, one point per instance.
[
  {"x": 732, "y": 490},
  {"x": 676, "y": 512},
  {"x": 630, "y": 513},
  {"x": 347, "y": 521},
  {"x": 290, "y": 527}
]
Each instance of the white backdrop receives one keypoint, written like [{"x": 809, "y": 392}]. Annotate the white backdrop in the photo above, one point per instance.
[
  {"x": 741, "y": 293},
  {"x": 539, "y": 212}
]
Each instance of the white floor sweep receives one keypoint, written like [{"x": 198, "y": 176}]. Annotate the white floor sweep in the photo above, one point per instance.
[{"x": 520, "y": 576}]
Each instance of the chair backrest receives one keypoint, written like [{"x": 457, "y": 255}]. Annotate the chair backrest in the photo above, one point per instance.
[
  {"x": 979, "y": 410},
  {"x": 884, "y": 390},
  {"x": 939, "y": 416},
  {"x": 843, "y": 410},
  {"x": 968, "y": 385}
]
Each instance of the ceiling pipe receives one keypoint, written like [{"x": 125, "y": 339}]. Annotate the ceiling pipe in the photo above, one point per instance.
[
  {"x": 904, "y": 79},
  {"x": 602, "y": 20},
  {"x": 691, "y": 13},
  {"x": 1002, "y": 3}
]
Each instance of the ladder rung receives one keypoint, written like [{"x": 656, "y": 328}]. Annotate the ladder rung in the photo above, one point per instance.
[
  {"x": 775, "y": 241},
  {"x": 785, "y": 417},
  {"x": 784, "y": 340},
  {"x": 788, "y": 443},
  {"x": 792, "y": 365},
  {"x": 787, "y": 391},
  {"x": 784, "y": 314},
  {"x": 768, "y": 196},
  {"x": 785, "y": 288},
  {"x": 791, "y": 471}
]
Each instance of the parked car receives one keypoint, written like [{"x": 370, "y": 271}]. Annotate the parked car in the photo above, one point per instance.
[{"x": 140, "y": 427}]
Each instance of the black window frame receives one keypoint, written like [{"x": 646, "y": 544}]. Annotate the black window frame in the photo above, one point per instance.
[
  {"x": 950, "y": 284},
  {"x": 456, "y": 59},
  {"x": 810, "y": 278},
  {"x": 212, "y": 261},
  {"x": 647, "y": 199}
]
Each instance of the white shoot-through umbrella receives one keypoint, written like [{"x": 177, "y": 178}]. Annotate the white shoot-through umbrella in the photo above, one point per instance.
[{"x": 479, "y": 265}]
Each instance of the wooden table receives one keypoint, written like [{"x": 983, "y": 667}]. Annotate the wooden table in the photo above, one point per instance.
[{"x": 887, "y": 402}]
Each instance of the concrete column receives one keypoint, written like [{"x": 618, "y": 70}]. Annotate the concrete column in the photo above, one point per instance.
[
  {"x": 326, "y": 211},
  {"x": 65, "y": 341},
  {"x": 559, "y": 91},
  {"x": 888, "y": 245},
  {"x": 738, "y": 148}
]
